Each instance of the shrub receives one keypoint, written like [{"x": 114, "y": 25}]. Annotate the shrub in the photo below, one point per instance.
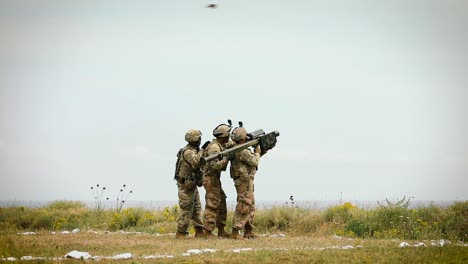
[
  {"x": 147, "y": 219},
  {"x": 392, "y": 220},
  {"x": 65, "y": 205},
  {"x": 359, "y": 227},
  {"x": 42, "y": 221},
  {"x": 171, "y": 213},
  {"x": 277, "y": 218},
  {"x": 340, "y": 213},
  {"x": 308, "y": 222},
  {"x": 127, "y": 218},
  {"x": 455, "y": 223}
]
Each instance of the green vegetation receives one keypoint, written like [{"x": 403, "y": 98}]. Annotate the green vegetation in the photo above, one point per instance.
[{"x": 387, "y": 221}]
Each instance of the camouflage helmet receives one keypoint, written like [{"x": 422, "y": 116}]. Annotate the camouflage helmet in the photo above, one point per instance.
[
  {"x": 222, "y": 130},
  {"x": 238, "y": 134},
  {"x": 193, "y": 135}
]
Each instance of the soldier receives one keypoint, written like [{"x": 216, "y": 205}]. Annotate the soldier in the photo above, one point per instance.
[
  {"x": 215, "y": 198},
  {"x": 243, "y": 168},
  {"x": 188, "y": 176}
]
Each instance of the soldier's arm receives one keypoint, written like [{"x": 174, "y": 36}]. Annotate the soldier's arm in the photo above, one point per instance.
[
  {"x": 250, "y": 158},
  {"x": 230, "y": 144},
  {"x": 193, "y": 158},
  {"x": 216, "y": 164}
]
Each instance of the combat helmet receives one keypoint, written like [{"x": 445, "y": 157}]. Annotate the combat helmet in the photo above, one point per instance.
[
  {"x": 239, "y": 133},
  {"x": 222, "y": 130},
  {"x": 193, "y": 136}
]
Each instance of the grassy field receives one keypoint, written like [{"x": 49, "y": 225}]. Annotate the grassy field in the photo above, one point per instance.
[
  {"x": 339, "y": 234},
  {"x": 268, "y": 249}
]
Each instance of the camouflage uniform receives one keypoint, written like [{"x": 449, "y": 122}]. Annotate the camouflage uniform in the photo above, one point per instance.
[
  {"x": 215, "y": 208},
  {"x": 243, "y": 169},
  {"x": 188, "y": 177}
]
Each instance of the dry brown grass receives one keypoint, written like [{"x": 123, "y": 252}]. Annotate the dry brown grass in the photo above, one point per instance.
[{"x": 290, "y": 249}]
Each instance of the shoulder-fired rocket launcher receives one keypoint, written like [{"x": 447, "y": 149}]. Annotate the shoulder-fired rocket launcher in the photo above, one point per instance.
[{"x": 265, "y": 141}]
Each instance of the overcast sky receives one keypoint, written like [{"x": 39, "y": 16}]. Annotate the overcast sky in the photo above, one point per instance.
[{"x": 369, "y": 96}]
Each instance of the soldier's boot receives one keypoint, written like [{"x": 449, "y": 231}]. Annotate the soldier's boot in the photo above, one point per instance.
[
  {"x": 249, "y": 234},
  {"x": 235, "y": 234},
  {"x": 222, "y": 233},
  {"x": 209, "y": 234},
  {"x": 199, "y": 232},
  {"x": 181, "y": 235}
]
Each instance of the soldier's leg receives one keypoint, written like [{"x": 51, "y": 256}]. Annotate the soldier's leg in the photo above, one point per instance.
[
  {"x": 196, "y": 215},
  {"x": 242, "y": 208},
  {"x": 222, "y": 212},
  {"x": 222, "y": 215},
  {"x": 212, "y": 202},
  {"x": 252, "y": 208},
  {"x": 249, "y": 223},
  {"x": 241, "y": 212},
  {"x": 186, "y": 208}
]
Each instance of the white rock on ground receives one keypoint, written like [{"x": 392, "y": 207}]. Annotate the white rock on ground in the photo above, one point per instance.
[
  {"x": 193, "y": 251},
  {"x": 27, "y": 258},
  {"x": 333, "y": 247},
  {"x": 209, "y": 250},
  {"x": 27, "y": 233},
  {"x": 279, "y": 235},
  {"x": 74, "y": 231},
  {"x": 75, "y": 254},
  {"x": 279, "y": 249},
  {"x": 11, "y": 259},
  {"x": 441, "y": 242},
  {"x": 92, "y": 231},
  {"x": 404, "y": 244},
  {"x": 238, "y": 250},
  {"x": 185, "y": 254},
  {"x": 65, "y": 232},
  {"x": 123, "y": 256},
  {"x": 420, "y": 244},
  {"x": 347, "y": 247},
  {"x": 159, "y": 256},
  {"x": 337, "y": 237}
]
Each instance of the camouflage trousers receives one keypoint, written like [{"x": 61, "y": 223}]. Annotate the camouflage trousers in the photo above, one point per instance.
[
  {"x": 245, "y": 208},
  {"x": 215, "y": 198},
  {"x": 190, "y": 206}
]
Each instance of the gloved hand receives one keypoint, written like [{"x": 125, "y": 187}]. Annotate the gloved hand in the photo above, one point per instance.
[
  {"x": 230, "y": 156},
  {"x": 258, "y": 150},
  {"x": 205, "y": 144},
  {"x": 229, "y": 144},
  {"x": 199, "y": 182}
]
